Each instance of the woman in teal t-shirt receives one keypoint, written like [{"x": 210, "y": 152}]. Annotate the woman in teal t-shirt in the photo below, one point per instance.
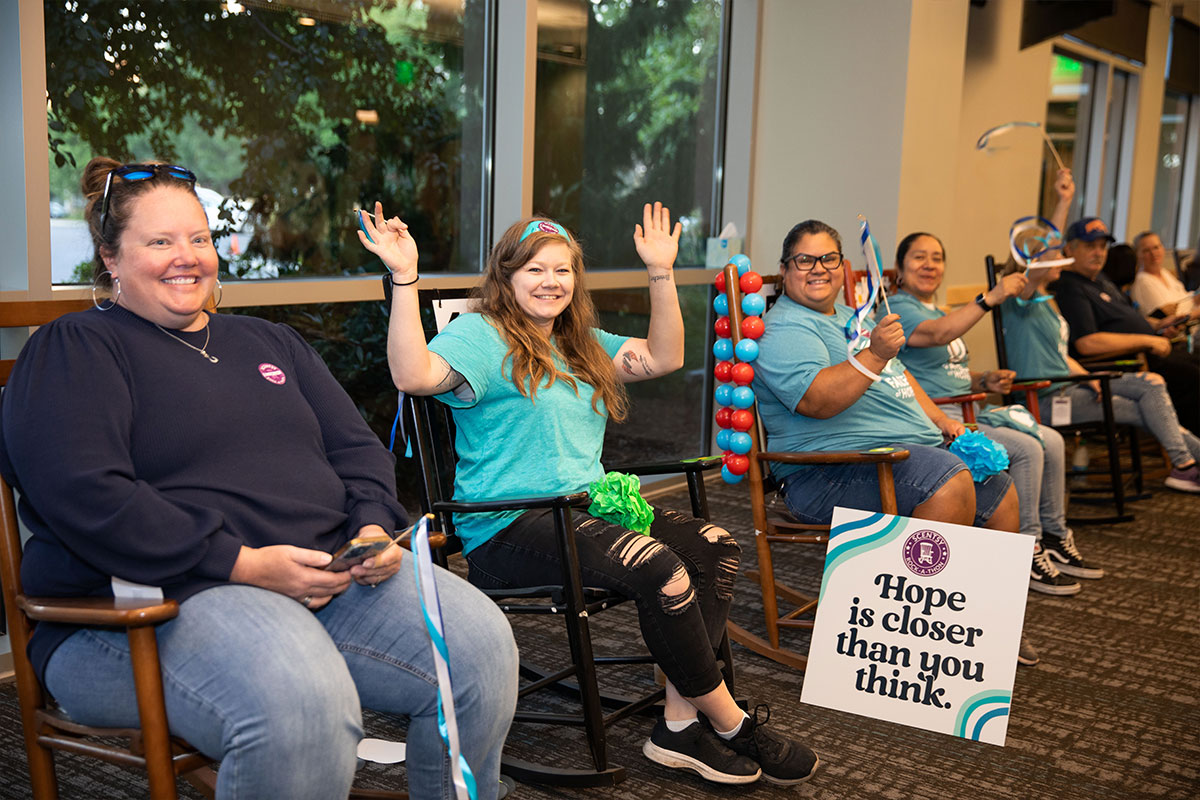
[
  {"x": 814, "y": 395},
  {"x": 937, "y": 357},
  {"x": 532, "y": 383}
]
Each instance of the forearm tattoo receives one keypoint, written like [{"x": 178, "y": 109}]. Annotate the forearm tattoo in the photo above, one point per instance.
[{"x": 656, "y": 278}]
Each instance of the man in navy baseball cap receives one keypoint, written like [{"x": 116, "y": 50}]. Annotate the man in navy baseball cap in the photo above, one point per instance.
[{"x": 1088, "y": 229}]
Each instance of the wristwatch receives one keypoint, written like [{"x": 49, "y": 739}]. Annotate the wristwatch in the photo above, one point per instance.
[{"x": 981, "y": 302}]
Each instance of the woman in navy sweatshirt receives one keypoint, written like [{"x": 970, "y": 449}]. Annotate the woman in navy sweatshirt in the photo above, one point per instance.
[{"x": 215, "y": 458}]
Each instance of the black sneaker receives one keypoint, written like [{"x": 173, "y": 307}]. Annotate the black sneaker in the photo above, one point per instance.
[
  {"x": 783, "y": 760},
  {"x": 1067, "y": 558},
  {"x": 697, "y": 748},
  {"x": 1044, "y": 577}
]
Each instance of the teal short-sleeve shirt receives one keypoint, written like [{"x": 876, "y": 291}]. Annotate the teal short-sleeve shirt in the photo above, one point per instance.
[
  {"x": 797, "y": 344},
  {"x": 941, "y": 370},
  {"x": 510, "y": 445}
]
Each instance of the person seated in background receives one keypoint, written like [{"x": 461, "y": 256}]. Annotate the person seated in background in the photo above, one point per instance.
[
  {"x": 1120, "y": 266},
  {"x": 1102, "y": 320},
  {"x": 1035, "y": 341},
  {"x": 1158, "y": 293},
  {"x": 532, "y": 383},
  {"x": 935, "y": 354},
  {"x": 216, "y": 458}
]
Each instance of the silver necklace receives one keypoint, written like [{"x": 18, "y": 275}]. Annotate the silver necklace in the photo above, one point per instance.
[{"x": 201, "y": 350}]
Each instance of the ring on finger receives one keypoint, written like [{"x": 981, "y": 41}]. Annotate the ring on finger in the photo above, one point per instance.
[{"x": 306, "y": 600}]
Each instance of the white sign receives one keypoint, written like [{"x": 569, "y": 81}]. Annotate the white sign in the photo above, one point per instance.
[{"x": 919, "y": 623}]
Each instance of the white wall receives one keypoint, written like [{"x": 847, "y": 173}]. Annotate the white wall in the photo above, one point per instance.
[{"x": 829, "y": 120}]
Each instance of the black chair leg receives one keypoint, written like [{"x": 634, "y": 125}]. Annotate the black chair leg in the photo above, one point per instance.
[{"x": 579, "y": 638}]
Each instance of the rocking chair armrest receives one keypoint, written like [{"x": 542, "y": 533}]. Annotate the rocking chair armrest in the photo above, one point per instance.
[
  {"x": 960, "y": 398},
  {"x": 109, "y": 611},
  {"x": 686, "y": 465},
  {"x": 835, "y": 457},
  {"x": 1029, "y": 385},
  {"x": 515, "y": 504},
  {"x": 1091, "y": 376}
]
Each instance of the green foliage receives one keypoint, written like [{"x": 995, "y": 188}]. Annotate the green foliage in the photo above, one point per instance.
[{"x": 263, "y": 108}]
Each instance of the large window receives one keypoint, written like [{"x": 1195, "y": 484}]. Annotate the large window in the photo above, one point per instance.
[
  {"x": 292, "y": 113},
  {"x": 1176, "y": 214},
  {"x": 627, "y": 113},
  {"x": 1090, "y": 117}
]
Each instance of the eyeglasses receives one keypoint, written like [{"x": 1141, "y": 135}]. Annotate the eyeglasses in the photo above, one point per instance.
[
  {"x": 803, "y": 262},
  {"x": 140, "y": 172}
]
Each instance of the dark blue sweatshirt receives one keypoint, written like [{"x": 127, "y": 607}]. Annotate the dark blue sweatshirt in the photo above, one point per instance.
[{"x": 136, "y": 457}]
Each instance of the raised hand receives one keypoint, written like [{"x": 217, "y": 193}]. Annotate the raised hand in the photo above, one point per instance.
[
  {"x": 1010, "y": 285},
  {"x": 887, "y": 337},
  {"x": 1064, "y": 184},
  {"x": 390, "y": 240},
  {"x": 657, "y": 244}
]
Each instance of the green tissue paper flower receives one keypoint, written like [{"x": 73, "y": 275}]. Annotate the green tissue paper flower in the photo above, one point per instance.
[{"x": 617, "y": 498}]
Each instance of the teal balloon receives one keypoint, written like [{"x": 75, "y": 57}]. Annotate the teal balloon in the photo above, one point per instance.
[
  {"x": 723, "y": 349},
  {"x": 753, "y": 304},
  {"x": 723, "y": 395},
  {"x": 721, "y": 304},
  {"x": 743, "y": 397},
  {"x": 747, "y": 350},
  {"x": 404, "y": 72},
  {"x": 723, "y": 436},
  {"x": 729, "y": 477},
  {"x": 739, "y": 442},
  {"x": 742, "y": 263}
]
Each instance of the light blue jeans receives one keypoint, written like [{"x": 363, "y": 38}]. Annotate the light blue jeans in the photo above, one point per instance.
[
  {"x": 1038, "y": 473},
  {"x": 1136, "y": 401},
  {"x": 274, "y": 691}
]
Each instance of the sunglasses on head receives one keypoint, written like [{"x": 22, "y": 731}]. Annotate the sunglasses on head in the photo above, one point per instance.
[{"x": 140, "y": 172}]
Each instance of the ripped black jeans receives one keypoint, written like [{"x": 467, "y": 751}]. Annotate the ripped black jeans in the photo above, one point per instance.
[{"x": 682, "y": 626}]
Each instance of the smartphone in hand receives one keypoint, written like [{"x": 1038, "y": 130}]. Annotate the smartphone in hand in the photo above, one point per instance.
[{"x": 361, "y": 548}]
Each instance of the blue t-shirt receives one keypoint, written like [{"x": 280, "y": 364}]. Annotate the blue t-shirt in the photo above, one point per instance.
[
  {"x": 797, "y": 344},
  {"x": 1035, "y": 339},
  {"x": 942, "y": 369},
  {"x": 510, "y": 445}
]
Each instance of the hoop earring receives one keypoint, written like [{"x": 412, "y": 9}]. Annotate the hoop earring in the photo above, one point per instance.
[
  {"x": 220, "y": 292},
  {"x": 116, "y": 282}
]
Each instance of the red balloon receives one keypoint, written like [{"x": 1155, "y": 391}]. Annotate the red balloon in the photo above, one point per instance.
[
  {"x": 720, "y": 282},
  {"x": 728, "y": 454},
  {"x": 742, "y": 419},
  {"x": 723, "y": 371},
  {"x": 752, "y": 327},
  {"x": 722, "y": 327},
  {"x": 738, "y": 465},
  {"x": 750, "y": 282},
  {"x": 724, "y": 416},
  {"x": 742, "y": 373}
]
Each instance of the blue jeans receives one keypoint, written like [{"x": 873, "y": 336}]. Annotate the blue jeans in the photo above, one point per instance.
[
  {"x": 812, "y": 492},
  {"x": 1038, "y": 473},
  {"x": 274, "y": 691},
  {"x": 1136, "y": 401}
]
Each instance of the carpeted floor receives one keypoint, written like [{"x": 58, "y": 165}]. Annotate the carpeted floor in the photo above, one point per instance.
[{"x": 1111, "y": 712}]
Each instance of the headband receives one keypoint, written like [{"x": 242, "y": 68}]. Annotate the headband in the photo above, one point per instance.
[{"x": 544, "y": 226}]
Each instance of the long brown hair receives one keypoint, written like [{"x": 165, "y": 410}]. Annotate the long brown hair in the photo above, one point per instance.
[{"x": 530, "y": 356}]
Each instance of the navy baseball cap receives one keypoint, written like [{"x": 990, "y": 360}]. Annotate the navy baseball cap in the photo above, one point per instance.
[{"x": 1088, "y": 229}]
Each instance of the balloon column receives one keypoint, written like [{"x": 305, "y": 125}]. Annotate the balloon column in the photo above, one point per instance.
[{"x": 734, "y": 371}]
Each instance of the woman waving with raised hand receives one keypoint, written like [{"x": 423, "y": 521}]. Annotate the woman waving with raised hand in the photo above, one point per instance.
[{"x": 532, "y": 382}]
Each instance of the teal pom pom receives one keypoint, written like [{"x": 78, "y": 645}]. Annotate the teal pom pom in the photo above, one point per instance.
[{"x": 982, "y": 456}]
